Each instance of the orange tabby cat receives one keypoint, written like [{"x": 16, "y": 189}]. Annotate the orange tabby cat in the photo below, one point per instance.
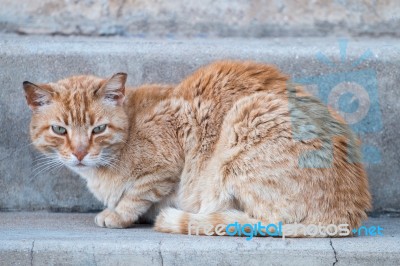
[{"x": 234, "y": 142}]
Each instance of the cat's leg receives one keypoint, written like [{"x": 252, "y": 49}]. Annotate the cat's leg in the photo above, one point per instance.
[
  {"x": 128, "y": 210},
  {"x": 101, "y": 216},
  {"x": 136, "y": 202}
]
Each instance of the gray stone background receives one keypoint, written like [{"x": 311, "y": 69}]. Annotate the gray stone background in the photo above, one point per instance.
[
  {"x": 162, "y": 41},
  {"x": 207, "y": 18}
]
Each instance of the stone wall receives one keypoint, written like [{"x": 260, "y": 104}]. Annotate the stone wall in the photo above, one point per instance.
[{"x": 207, "y": 18}]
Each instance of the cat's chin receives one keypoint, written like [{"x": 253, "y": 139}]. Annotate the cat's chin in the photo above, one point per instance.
[{"x": 79, "y": 168}]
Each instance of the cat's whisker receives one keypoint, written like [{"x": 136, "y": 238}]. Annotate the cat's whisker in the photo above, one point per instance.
[
  {"x": 26, "y": 145},
  {"x": 123, "y": 141},
  {"x": 37, "y": 160},
  {"x": 41, "y": 156},
  {"x": 38, "y": 166},
  {"x": 59, "y": 167},
  {"x": 48, "y": 167},
  {"x": 115, "y": 164},
  {"x": 45, "y": 157},
  {"x": 44, "y": 164}
]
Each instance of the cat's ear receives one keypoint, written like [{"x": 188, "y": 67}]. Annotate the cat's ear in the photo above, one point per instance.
[
  {"x": 37, "y": 96},
  {"x": 113, "y": 90}
]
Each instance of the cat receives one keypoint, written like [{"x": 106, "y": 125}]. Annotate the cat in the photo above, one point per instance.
[{"x": 233, "y": 142}]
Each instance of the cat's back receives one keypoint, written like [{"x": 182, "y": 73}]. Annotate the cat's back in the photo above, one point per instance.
[
  {"x": 144, "y": 98},
  {"x": 226, "y": 81},
  {"x": 216, "y": 90}
]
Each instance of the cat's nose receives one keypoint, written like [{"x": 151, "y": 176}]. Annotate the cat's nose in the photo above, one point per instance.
[{"x": 80, "y": 154}]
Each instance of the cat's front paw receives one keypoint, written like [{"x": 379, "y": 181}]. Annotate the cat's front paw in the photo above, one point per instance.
[{"x": 111, "y": 219}]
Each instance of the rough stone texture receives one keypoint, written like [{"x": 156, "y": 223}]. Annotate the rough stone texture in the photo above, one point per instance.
[
  {"x": 228, "y": 18},
  {"x": 24, "y": 187},
  {"x": 73, "y": 239}
]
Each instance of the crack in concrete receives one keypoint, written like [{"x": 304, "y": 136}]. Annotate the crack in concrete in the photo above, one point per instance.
[
  {"x": 160, "y": 254},
  {"x": 33, "y": 245},
  {"x": 334, "y": 252}
]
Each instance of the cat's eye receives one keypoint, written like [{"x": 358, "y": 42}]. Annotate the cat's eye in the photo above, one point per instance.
[
  {"x": 59, "y": 130},
  {"x": 99, "y": 129}
]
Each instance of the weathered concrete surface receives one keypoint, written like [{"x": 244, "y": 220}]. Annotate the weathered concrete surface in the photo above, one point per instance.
[
  {"x": 24, "y": 187},
  {"x": 73, "y": 239},
  {"x": 208, "y": 18}
]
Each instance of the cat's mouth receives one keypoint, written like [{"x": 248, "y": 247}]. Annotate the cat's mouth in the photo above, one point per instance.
[{"x": 80, "y": 166}]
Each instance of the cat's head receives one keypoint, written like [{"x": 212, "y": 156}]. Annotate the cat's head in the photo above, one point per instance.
[{"x": 79, "y": 121}]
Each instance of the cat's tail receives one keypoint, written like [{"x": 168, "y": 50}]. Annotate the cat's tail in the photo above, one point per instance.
[
  {"x": 230, "y": 222},
  {"x": 171, "y": 220}
]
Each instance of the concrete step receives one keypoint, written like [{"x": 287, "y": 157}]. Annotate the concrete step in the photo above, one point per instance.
[
  {"x": 72, "y": 239},
  {"x": 368, "y": 68}
]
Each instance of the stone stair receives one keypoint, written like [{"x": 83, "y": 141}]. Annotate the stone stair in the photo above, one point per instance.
[
  {"x": 365, "y": 65},
  {"x": 39, "y": 238}
]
